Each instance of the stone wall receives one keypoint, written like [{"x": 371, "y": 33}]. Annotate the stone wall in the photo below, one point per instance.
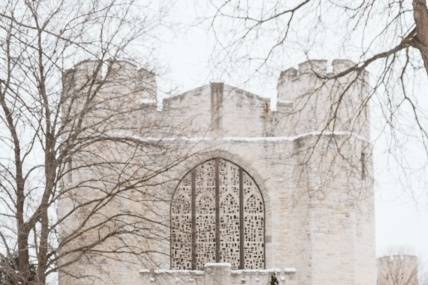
[
  {"x": 399, "y": 269},
  {"x": 313, "y": 170},
  {"x": 218, "y": 273}
]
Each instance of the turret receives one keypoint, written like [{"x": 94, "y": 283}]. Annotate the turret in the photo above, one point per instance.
[
  {"x": 119, "y": 76},
  {"x": 141, "y": 83},
  {"x": 322, "y": 101},
  {"x": 397, "y": 269},
  {"x": 82, "y": 75},
  {"x": 329, "y": 116},
  {"x": 115, "y": 94}
]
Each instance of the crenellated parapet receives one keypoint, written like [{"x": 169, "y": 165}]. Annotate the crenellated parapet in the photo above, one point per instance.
[
  {"x": 118, "y": 76},
  {"x": 324, "y": 98},
  {"x": 78, "y": 80},
  {"x": 139, "y": 82},
  {"x": 398, "y": 269},
  {"x": 110, "y": 95},
  {"x": 310, "y": 99},
  {"x": 313, "y": 74}
]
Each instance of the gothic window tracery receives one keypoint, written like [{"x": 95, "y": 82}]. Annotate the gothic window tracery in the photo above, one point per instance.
[{"x": 217, "y": 215}]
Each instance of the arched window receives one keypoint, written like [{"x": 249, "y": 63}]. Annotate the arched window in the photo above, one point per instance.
[{"x": 217, "y": 215}]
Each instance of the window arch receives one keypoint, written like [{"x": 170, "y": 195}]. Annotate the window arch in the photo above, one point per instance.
[{"x": 217, "y": 215}]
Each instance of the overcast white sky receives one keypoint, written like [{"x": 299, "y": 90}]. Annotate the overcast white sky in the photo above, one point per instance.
[
  {"x": 401, "y": 215},
  {"x": 185, "y": 60}
]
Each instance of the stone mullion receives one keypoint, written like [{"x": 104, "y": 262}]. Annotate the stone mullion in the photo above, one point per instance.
[
  {"x": 193, "y": 209},
  {"x": 217, "y": 211},
  {"x": 241, "y": 220}
]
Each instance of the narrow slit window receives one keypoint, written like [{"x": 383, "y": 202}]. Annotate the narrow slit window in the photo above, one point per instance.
[{"x": 363, "y": 165}]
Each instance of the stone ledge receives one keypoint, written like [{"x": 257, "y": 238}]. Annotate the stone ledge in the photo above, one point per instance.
[{"x": 218, "y": 274}]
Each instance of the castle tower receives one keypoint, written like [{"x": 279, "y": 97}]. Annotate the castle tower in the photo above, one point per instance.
[
  {"x": 285, "y": 191},
  {"x": 139, "y": 83},
  {"x": 334, "y": 214},
  {"x": 397, "y": 269}
]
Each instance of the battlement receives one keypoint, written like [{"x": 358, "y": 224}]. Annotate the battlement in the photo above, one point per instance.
[
  {"x": 323, "y": 95},
  {"x": 117, "y": 76},
  {"x": 399, "y": 257},
  {"x": 402, "y": 268},
  {"x": 311, "y": 75},
  {"x": 316, "y": 67},
  {"x": 305, "y": 99}
]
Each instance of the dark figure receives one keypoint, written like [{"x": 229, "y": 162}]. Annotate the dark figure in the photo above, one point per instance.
[{"x": 273, "y": 279}]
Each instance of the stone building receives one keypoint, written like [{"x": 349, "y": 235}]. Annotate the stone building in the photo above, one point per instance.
[
  {"x": 280, "y": 190},
  {"x": 399, "y": 269}
]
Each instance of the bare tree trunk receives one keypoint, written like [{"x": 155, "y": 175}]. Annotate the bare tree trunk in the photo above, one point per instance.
[
  {"x": 420, "y": 13},
  {"x": 22, "y": 232},
  {"x": 42, "y": 129}
]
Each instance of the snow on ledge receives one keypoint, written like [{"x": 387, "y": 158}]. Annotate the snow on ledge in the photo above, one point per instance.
[
  {"x": 218, "y": 273},
  {"x": 124, "y": 136},
  {"x": 171, "y": 271},
  {"x": 217, "y": 264},
  {"x": 286, "y": 270}
]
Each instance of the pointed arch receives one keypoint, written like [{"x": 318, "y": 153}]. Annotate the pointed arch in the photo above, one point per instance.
[{"x": 225, "y": 221}]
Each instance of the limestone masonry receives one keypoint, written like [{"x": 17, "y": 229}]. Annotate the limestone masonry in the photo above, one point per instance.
[
  {"x": 260, "y": 191},
  {"x": 397, "y": 269}
]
